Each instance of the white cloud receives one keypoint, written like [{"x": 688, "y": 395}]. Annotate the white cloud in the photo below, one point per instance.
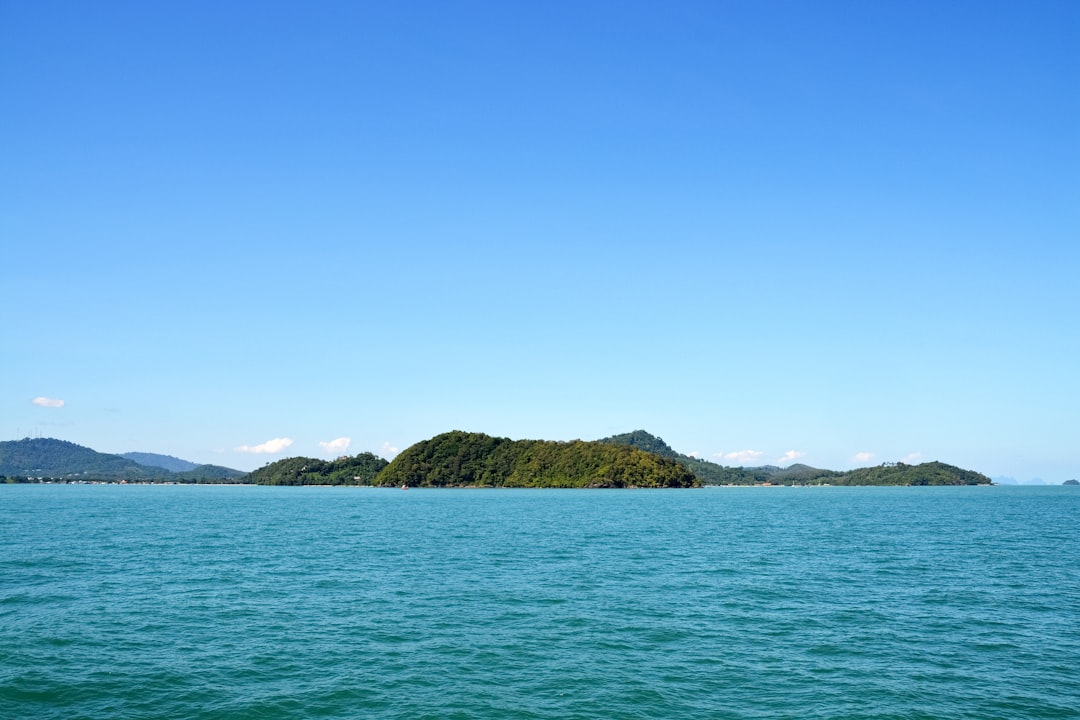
[
  {"x": 48, "y": 402},
  {"x": 912, "y": 458},
  {"x": 741, "y": 457},
  {"x": 388, "y": 449},
  {"x": 339, "y": 445},
  {"x": 694, "y": 454},
  {"x": 790, "y": 456},
  {"x": 863, "y": 457},
  {"x": 269, "y": 447}
]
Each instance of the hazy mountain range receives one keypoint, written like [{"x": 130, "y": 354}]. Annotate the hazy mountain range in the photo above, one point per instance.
[{"x": 59, "y": 459}]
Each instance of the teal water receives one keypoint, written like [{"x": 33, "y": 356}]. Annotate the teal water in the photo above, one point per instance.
[{"x": 242, "y": 602}]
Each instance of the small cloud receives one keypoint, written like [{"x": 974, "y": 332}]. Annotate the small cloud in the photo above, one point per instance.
[
  {"x": 388, "y": 449},
  {"x": 694, "y": 454},
  {"x": 790, "y": 456},
  {"x": 269, "y": 447},
  {"x": 863, "y": 457},
  {"x": 912, "y": 458},
  {"x": 48, "y": 402},
  {"x": 741, "y": 457},
  {"x": 340, "y": 445}
]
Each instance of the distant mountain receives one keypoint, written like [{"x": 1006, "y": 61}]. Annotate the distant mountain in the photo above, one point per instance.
[
  {"x": 208, "y": 473},
  {"x": 1004, "y": 480},
  {"x": 1071, "y": 482},
  {"x": 170, "y": 463},
  {"x": 51, "y": 459},
  {"x": 933, "y": 473}
]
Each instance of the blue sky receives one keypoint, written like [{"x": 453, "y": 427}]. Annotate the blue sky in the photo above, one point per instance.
[{"x": 840, "y": 233}]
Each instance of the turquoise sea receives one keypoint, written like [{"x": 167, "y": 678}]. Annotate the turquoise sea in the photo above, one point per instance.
[{"x": 246, "y": 602}]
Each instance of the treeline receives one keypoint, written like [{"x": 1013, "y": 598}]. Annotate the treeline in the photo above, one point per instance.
[
  {"x": 929, "y": 473},
  {"x": 462, "y": 459},
  {"x": 357, "y": 470},
  {"x": 477, "y": 460},
  {"x": 708, "y": 473}
]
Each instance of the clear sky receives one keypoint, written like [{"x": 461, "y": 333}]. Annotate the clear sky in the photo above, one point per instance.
[{"x": 839, "y": 233}]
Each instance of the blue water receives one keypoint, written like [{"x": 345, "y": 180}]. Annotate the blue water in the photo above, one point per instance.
[{"x": 244, "y": 602}]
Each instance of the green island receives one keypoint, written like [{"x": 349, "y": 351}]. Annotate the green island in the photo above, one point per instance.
[{"x": 464, "y": 459}]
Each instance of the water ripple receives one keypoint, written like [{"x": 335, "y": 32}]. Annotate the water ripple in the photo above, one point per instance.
[{"x": 238, "y": 603}]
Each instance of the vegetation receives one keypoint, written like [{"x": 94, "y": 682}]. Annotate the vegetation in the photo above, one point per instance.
[
  {"x": 930, "y": 473},
  {"x": 461, "y": 459},
  {"x": 708, "y": 473},
  {"x": 35, "y": 459},
  {"x": 358, "y": 470}
]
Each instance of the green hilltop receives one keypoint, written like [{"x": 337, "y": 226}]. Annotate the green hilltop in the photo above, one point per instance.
[
  {"x": 477, "y": 460},
  {"x": 464, "y": 459}
]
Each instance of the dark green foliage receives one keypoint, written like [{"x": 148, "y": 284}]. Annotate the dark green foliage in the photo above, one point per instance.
[
  {"x": 931, "y": 473},
  {"x": 460, "y": 459},
  {"x": 644, "y": 441},
  {"x": 357, "y": 470},
  {"x": 706, "y": 472}
]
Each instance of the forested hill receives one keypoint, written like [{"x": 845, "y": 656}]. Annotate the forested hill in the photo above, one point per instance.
[
  {"x": 462, "y": 459},
  {"x": 708, "y": 473},
  {"x": 357, "y": 470},
  {"x": 31, "y": 459}
]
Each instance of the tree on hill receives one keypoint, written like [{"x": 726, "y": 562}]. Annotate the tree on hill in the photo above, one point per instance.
[
  {"x": 707, "y": 473},
  {"x": 930, "y": 473},
  {"x": 643, "y": 441},
  {"x": 460, "y": 459},
  {"x": 356, "y": 470}
]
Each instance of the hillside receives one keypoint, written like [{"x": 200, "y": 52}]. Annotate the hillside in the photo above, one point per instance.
[
  {"x": 461, "y": 459},
  {"x": 168, "y": 462},
  {"x": 929, "y": 473},
  {"x": 51, "y": 459},
  {"x": 708, "y": 473},
  {"x": 358, "y": 470}
]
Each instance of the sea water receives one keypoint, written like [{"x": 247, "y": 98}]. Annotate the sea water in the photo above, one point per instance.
[{"x": 249, "y": 602}]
